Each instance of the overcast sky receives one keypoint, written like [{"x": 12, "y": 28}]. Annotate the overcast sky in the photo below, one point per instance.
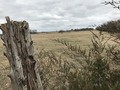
[{"x": 54, "y": 15}]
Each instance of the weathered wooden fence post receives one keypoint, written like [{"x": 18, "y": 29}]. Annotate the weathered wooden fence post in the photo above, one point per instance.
[{"x": 24, "y": 74}]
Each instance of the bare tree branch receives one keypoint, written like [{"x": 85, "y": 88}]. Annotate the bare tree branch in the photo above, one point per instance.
[{"x": 115, "y": 4}]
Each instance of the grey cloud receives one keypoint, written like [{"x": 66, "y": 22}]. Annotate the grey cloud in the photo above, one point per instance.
[{"x": 52, "y": 15}]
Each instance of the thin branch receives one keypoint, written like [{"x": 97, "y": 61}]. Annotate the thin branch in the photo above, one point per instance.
[{"x": 115, "y": 4}]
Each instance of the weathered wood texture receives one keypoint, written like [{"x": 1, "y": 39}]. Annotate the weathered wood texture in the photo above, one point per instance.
[{"x": 24, "y": 74}]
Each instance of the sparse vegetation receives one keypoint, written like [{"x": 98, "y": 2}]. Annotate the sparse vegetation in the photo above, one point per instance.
[
  {"x": 71, "y": 62},
  {"x": 110, "y": 27},
  {"x": 79, "y": 69},
  {"x": 66, "y": 65}
]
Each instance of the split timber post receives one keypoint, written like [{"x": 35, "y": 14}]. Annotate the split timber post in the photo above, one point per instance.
[{"x": 24, "y": 73}]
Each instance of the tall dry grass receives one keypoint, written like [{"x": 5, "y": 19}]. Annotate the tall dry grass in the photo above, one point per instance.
[
  {"x": 78, "y": 69},
  {"x": 65, "y": 64}
]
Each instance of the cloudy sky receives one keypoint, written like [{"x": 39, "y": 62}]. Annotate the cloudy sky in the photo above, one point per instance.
[{"x": 54, "y": 15}]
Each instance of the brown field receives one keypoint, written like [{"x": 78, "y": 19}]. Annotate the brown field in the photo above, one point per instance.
[{"x": 45, "y": 41}]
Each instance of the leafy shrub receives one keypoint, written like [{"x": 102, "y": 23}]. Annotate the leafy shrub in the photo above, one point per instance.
[
  {"x": 61, "y": 31},
  {"x": 78, "y": 69},
  {"x": 111, "y": 27}
]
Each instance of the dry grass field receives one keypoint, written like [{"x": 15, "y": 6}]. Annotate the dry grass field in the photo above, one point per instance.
[{"x": 45, "y": 41}]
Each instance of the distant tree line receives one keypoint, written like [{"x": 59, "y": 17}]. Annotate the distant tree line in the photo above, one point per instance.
[
  {"x": 110, "y": 26},
  {"x": 33, "y": 31},
  {"x": 76, "y": 30}
]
